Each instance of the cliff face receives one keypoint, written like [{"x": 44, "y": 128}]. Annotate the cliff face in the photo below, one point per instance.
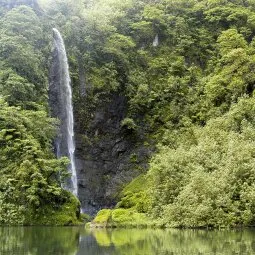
[{"x": 108, "y": 158}]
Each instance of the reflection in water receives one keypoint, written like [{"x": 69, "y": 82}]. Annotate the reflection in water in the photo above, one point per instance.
[
  {"x": 39, "y": 240},
  {"x": 77, "y": 241}
]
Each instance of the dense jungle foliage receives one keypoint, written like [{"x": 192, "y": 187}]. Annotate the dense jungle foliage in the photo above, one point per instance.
[
  {"x": 186, "y": 69},
  {"x": 30, "y": 191}
]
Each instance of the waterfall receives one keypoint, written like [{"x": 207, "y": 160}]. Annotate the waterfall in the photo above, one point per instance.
[
  {"x": 60, "y": 96},
  {"x": 156, "y": 41}
]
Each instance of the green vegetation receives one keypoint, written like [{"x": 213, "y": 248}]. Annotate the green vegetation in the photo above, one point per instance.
[
  {"x": 30, "y": 190},
  {"x": 127, "y": 218},
  {"x": 209, "y": 182},
  {"x": 28, "y": 168},
  {"x": 190, "y": 97},
  {"x": 136, "y": 195},
  {"x": 131, "y": 209}
]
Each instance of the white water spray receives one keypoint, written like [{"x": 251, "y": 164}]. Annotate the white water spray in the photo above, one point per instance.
[{"x": 156, "y": 41}]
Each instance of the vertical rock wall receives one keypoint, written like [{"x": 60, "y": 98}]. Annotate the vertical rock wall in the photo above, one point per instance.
[{"x": 108, "y": 158}]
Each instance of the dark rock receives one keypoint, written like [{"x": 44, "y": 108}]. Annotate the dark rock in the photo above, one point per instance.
[{"x": 109, "y": 151}]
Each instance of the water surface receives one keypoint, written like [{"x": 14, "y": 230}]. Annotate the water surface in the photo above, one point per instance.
[{"x": 78, "y": 241}]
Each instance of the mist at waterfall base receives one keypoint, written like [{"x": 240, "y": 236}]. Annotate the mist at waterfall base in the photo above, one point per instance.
[{"x": 60, "y": 99}]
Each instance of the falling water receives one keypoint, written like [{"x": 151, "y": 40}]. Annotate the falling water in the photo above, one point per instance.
[
  {"x": 156, "y": 41},
  {"x": 61, "y": 104}
]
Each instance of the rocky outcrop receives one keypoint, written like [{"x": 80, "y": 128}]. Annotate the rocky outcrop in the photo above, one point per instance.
[{"x": 108, "y": 157}]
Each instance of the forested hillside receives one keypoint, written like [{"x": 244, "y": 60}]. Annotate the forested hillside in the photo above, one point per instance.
[
  {"x": 164, "y": 111},
  {"x": 30, "y": 191}
]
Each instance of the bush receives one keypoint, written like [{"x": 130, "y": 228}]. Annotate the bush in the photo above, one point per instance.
[{"x": 210, "y": 182}]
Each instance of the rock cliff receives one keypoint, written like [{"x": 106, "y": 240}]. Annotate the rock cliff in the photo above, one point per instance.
[{"x": 109, "y": 157}]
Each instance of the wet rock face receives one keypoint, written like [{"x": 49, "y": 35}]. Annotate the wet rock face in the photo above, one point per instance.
[
  {"x": 55, "y": 102},
  {"x": 105, "y": 163}
]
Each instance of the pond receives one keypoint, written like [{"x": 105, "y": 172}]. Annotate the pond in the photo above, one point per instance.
[{"x": 78, "y": 241}]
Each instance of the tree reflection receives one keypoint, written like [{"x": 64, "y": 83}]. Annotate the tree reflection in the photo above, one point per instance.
[
  {"x": 179, "y": 242},
  {"x": 39, "y": 240},
  {"x": 78, "y": 241}
]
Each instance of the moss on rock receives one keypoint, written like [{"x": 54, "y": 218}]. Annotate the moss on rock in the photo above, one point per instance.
[
  {"x": 135, "y": 195},
  {"x": 121, "y": 218},
  {"x": 131, "y": 210},
  {"x": 103, "y": 217}
]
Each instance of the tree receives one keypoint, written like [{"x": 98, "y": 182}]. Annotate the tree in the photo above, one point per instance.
[{"x": 29, "y": 172}]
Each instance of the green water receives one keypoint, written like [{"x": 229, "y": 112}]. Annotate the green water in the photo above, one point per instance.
[{"x": 77, "y": 240}]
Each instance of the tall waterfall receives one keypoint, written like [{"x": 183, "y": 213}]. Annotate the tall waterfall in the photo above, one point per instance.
[{"x": 60, "y": 96}]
